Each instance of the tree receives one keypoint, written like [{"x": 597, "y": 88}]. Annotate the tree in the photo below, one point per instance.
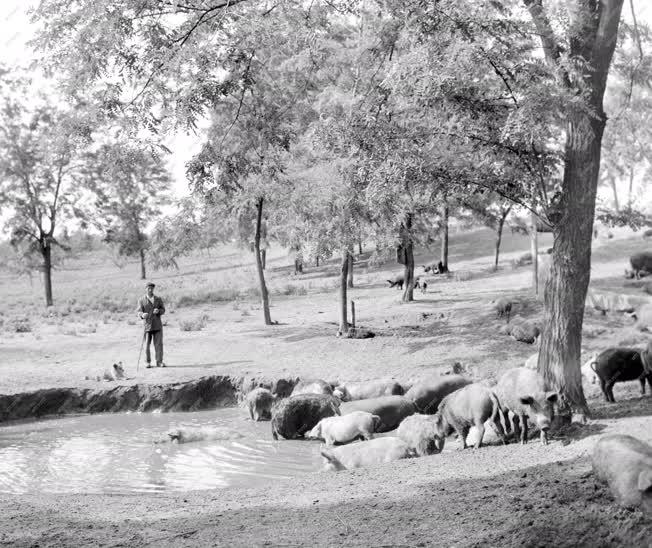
[
  {"x": 493, "y": 211},
  {"x": 40, "y": 157},
  {"x": 130, "y": 185}
]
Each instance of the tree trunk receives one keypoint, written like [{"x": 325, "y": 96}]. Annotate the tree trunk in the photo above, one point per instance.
[
  {"x": 499, "y": 236},
  {"x": 360, "y": 251},
  {"x": 349, "y": 268},
  {"x": 317, "y": 261},
  {"x": 444, "y": 235},
  {"x": 259, "y": 263},
  {"x": 631, "y": 187},
  {"x": 46, "y": 251},
  {"x": 612, "y": 182},
  {"x": 344, "y": 323},
  {"x": 593, "y": 38},
  {"x": 263, "y": 257},
  {"x": 143, "y": 273},
  {"x": 534, "y": 251},
  {"x": 408, "y": 269}
]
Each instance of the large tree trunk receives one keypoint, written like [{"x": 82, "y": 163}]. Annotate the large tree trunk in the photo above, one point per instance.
[
  {"x": 593, "y": 39},
  {"x": 143, "y": 273},
  {"x": 408, "y": 269},
  {"x": 259, "y": 263},
  {"x": 46, "y": 251},
  {"x": 444, "y": 235},
  {"x": 344, "y": 322},
  {"x": 349, "y": 279}
]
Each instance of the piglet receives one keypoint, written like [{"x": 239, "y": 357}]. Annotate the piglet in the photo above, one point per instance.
[{"x": 365, "y": 453}]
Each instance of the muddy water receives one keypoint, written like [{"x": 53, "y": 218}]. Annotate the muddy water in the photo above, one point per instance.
[{"x": 117, "y": 453}]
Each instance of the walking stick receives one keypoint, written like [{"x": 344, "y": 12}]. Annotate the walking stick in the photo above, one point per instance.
[{"x": 142, "y": 343}]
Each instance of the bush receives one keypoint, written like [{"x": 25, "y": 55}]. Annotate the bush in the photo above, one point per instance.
[
  {"x": 196, "y": 324},
  {"x": 20, "y": 325},
  {"x": 207, "y": 296},
  {"x": 291, "y": 289}
]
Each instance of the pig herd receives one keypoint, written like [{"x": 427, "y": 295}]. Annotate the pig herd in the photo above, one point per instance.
[{"x": 421, "y": 416}]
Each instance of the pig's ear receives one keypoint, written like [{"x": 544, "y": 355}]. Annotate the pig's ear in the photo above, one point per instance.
[
  {"x": 527, "y": 400},
  {"x": 645, "y": 481},
  {"x": 552, "y": 397}
]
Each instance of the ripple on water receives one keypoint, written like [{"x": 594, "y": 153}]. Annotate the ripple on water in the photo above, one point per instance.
[{"x": 116, "y": 453}]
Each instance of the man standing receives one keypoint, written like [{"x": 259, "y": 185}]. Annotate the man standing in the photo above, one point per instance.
[{"x": 150, "y": 309}]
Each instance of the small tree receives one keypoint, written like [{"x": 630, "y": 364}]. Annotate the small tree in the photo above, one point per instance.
[
  {"x": 130, "y": 185},
  {"x": 493, "y": 211},
  {"x": 40, "y": 157}
]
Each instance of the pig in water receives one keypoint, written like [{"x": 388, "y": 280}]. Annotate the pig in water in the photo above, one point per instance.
[
  {"x": 421, "y": 435},
  {"x": 618, "y": 365},
  {"x": 294, "y": 416},
  {"x": 259, "y": 402},
  {"x": 391, "y": 410},
  {"x": 365, "y": 453},
  {"x": 312, "y": 386},
  {"x": 469, "y": 406},
  {"x": 187, "y": 434},
  {"x": 427, "y": 394},
  {"x": 625, "y": 464},
  {"x": 345, "y": 428},
  {"x": 351, "y": 391},
  {"x": 522, "y": 394}
]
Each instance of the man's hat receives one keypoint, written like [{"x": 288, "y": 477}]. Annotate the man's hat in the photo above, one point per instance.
[{"x": 150, "y": 283}]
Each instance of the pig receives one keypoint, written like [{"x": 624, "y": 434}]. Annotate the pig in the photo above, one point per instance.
[
  {"x": 346, "y": 428},
  {"x": 187, "y": 434},
  {"x": 312, "y": 386},
  {"x": 646, "y": 358},
  {"x": 428, "y": 393},
  {"x": 365, "y": 453},
  {"x": 363, "y": 390},
  {"x": 503, "y": 308},
  {"x": 472, "y": 405},
  {"x": 259, "y": 402},
  {"x": 641, "y": 261},
  {"x": 526, "y": 332},
  {"x": 522, "y": 394},
  {"x": 282, "y": 388},
  {"x": 588, "y": 369},
  {"x": 397, "y": 281},
  {"x": 391, "y": 410},
  {"x": 618, "y": 365},
  {"x": 625, "y": 464},
  {"x": 421, "y": 435},
  {"x": 294, "y": 416},
  {"x": 115, "y": 373},
  {"x": 532, "y": 362}
]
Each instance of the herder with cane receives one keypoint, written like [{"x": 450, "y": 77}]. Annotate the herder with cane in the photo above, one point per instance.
[{"x": 150, "y": 309}]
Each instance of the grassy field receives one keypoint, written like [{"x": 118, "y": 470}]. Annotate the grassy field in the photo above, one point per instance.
[{"x": 214, "y": 322}]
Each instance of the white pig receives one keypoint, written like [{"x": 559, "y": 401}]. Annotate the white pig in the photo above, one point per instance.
[
  {"x": 345, "y": 428},
  {"x": 365, "y": 453},
  {"x": 625, "y": 464}
]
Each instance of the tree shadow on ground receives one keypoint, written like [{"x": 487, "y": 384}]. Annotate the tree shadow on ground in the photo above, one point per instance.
[
  {"x": 633, "y": 407},
  {"x": 556, "y": 505}
]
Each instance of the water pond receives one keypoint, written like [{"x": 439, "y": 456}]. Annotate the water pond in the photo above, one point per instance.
[{"x": 117, "y": 453}]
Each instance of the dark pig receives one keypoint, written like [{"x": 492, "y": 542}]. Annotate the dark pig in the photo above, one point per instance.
[
  {"x": 397, "y": 281},
  {"x": 427, "y": 394},
  {"x": 641, "y": 261},
  {"x": 619, "y": 365},
  {"x": 391, "y": 410},
  {"x": 503, "y": 308},
  {"x": 522, "y": 394},
  {"x": 469, "y": 406},
  {"x": 294, "y": 416}
]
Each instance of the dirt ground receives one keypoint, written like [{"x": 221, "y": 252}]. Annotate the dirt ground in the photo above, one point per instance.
[{"x": 497, "y": 496}]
